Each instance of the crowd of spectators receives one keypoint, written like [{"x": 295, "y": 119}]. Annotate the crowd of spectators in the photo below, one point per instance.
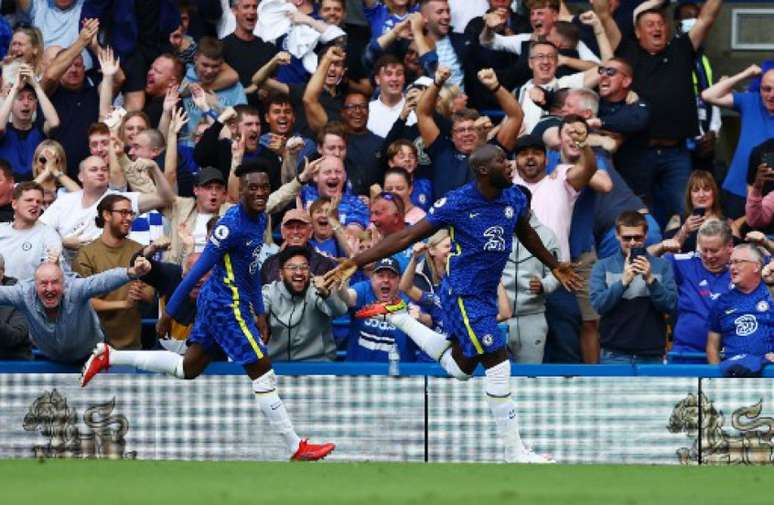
[{"x": 122, "y": 125}]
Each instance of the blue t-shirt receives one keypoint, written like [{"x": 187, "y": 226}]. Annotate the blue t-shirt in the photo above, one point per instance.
[
  {"x": 697, "y": 290},
  {"x": 381, "y": 20},
  {"x": 481, "y": 234},
  {"x": 757, "y": 126},
  {"x": 371, "y": 339},
  {"x": 329, "y": 248},
  {"x": 582, "y": 224},
  {"x": 17, "y": 148},
  {"x": 744, "y": 321},
  {"x": 234, "y": 253},
  {"x": 422, "y": 193},
  {"x": 351, "y": 209}
]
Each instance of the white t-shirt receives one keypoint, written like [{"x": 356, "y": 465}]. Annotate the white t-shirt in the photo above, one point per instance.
[
  {"x": 24, "y": 250},
  {"x": 68, "y": 216},
  {"x": 533, "y": 112},
  {"x": 553, "y": 199},
  {"x": 462, "y": 11},
  {"x": 381, "y": 117},
  {"x": 200, "y": 231}
]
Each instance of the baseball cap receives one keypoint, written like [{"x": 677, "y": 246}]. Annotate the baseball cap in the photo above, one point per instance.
[
  {"x": 209, "y": 174},
  {"x": 388, "y": 263},
  {"x": 296, "y": 215},
  {"x": 529, "y": 141}
]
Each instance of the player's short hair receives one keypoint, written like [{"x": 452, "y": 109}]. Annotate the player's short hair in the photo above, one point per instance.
[
  {"x": 292, "y": 251},
  {"x": 107, "y": 204},
  {"x": 98, "y": 129},
  {"x": 20, "y": 188},
  {"x": 482, "y": 156},
  {"x": 155, "y": 138},
  {"x": 332, "y": 128},
  {"x": 716, "y": 228},
  {"x": 631, "y": 219},
  {"x": 255, "y": 165},
  {"x": 210, "y": 47},
  {"x": 6, "y": 169}
]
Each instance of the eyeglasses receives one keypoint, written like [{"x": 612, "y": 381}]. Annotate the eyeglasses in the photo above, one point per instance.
[
  {"x": 739, "y": 262},
  {"x": 356, "y": 106},
  {"x": 467, "y": 129},
  {"x": 124, "y": 212},
  {"x": 608, "y": 71},
  {"x": 632, "y": 238},
  {"x": 297, "y": 268}
]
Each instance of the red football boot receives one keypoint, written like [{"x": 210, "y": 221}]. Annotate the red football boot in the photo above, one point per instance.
[
  {"x": 311, "y": 452},
  {"x": 99, "y": 360},
  {"x": 381, "y": 309}
]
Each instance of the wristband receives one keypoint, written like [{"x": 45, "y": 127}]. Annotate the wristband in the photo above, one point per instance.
[
  {"x": 298, "y": 179},
  {"x": 497, "y": 87}
]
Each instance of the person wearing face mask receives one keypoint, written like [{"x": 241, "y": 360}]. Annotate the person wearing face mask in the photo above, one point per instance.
[
  {"x": 703, "y": 152},
  {"x": 299, "y": 313}
]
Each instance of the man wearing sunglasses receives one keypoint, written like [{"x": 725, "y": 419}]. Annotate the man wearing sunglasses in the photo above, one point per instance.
[
  {"x": 118, "y": 310},
  {"x": 632, "y": 291}
]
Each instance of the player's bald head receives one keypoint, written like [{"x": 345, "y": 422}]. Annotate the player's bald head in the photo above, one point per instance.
[{"x": 484, "y": 156}]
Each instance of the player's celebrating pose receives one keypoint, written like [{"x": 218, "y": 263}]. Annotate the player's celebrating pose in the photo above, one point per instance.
[
  {"x": 481, "y": 217},
  {"x": 224, "y": 311}
]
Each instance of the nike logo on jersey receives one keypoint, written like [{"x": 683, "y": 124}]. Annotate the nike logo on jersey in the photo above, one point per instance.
[
  {"x": 473, "y": 215},
  {"x": 730, "y": 311}
]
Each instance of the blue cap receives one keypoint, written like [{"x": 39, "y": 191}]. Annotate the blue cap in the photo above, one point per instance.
[{"x": 389, "y": 263}]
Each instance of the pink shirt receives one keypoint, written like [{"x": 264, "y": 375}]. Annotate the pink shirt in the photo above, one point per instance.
[
  {"x": 759, "y": 209},
  {"x": 415, "y": 215},
  {"x": 553, "y": 199}
]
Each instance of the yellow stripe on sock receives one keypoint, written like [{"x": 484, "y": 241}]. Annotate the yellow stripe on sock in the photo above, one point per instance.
[
  {"x": 229, "y": 280},
  {"x": 471, "y": 333}
]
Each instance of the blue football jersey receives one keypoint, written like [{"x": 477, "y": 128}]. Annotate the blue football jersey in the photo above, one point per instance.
[
  {"x": 233, "y": 252},
  {"x": 744, "y": 321},
  {"x": 481, "y": 234}
]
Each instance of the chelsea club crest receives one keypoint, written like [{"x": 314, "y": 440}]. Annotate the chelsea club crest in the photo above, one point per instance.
[{"x": 762, "y": 306}]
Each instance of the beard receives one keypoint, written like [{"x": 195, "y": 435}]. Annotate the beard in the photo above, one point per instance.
[{"x": 293, "y": 291}]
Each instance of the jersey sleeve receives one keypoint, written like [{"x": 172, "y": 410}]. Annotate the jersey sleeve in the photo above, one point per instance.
[
  {"x": 442, "y": 212},
  {"x": 361, "y": 291},
  {"x": 223, "y": 237}
]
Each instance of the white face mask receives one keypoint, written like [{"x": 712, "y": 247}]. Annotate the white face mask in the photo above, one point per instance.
[{"x": 687, "y": 24}]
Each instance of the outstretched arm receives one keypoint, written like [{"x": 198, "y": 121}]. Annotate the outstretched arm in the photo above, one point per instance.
[
  {"x": 721, "y": 93},
  {"x": 315, "y": 113},
  {"x": 514, "y": 115},
  {"x": 602, "y": 10}
]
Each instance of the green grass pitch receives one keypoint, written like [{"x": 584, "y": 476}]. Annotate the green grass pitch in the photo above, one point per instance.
[{"x": 63, "y": 482}]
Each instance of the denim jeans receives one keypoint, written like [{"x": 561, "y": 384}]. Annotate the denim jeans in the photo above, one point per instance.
[
  {"x": 564, "y": 321},
  {"x": 671, "y": 168},
  {"x": 608, "y": 357}
]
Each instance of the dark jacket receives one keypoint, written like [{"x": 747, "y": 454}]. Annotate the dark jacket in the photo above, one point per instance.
[{"x": 14, "y": 333}]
